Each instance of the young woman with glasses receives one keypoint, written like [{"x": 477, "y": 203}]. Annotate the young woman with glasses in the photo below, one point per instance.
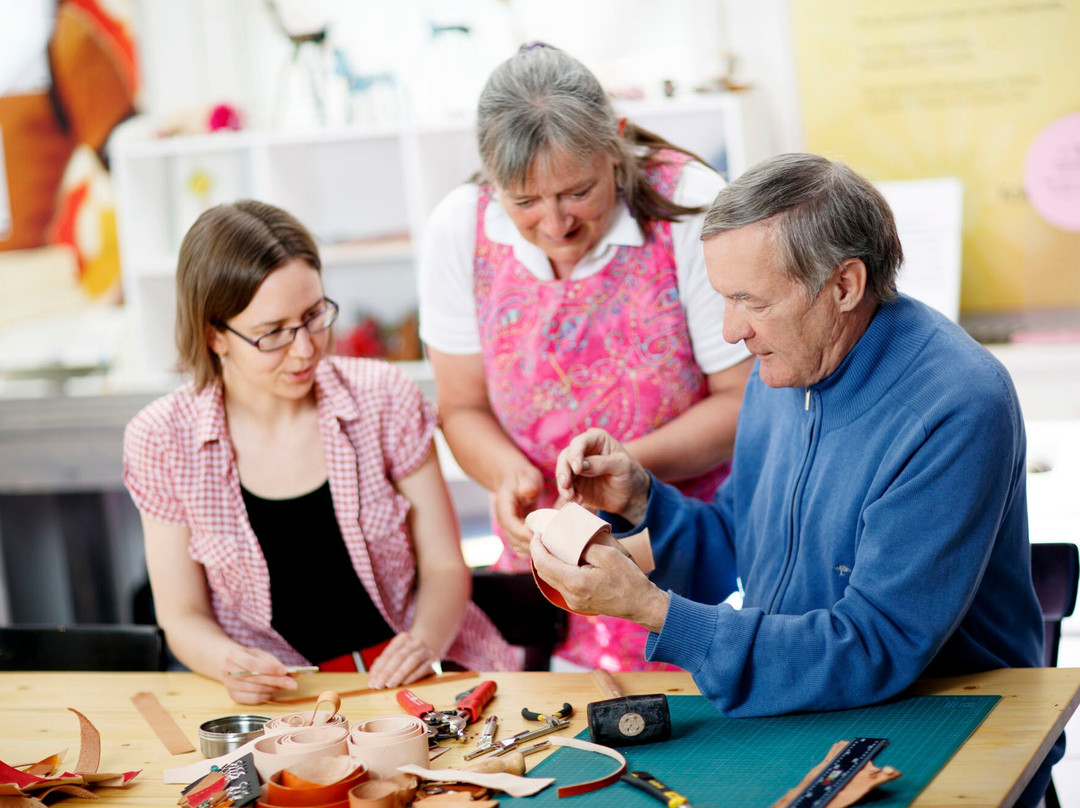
[{"x": 293, "y": 508}]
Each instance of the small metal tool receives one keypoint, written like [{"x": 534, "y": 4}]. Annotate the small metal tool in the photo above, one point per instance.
[
  {"x": 536, "y": 747},
  {"x": 487, "y": 738},
  {"x": 502, "y": 747}
]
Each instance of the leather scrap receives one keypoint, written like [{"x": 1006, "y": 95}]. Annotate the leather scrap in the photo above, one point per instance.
[
  {"x": 510, "y": 783},
  {"x": 21, "y": 802},
  {"x": 49, "y": 764},
  {"x": 25, "y": 786},
  {"x": 89, "y": 744}
]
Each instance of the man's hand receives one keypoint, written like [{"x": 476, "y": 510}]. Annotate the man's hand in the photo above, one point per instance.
[
  {"x": 608, "y": 582},
  {"x": 595, "y": 470},
  {"x": 515, "y": 498},
  {"x": 405, "y": 659},
  {"x": 252, "y": 675}
]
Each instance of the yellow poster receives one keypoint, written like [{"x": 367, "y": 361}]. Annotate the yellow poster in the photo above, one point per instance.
[{"x": 984, "y": 90}]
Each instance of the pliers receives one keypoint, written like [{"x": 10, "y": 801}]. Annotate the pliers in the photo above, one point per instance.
[
  {"x": 444, "y": 724},
  {"x": 550, "y": 720}
]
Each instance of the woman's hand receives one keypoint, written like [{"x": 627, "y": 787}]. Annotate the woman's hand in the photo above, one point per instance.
[
  {"x": 515, "y": 498},
  {"x": 597, "y": 471},
  {"x": 267, "y": 675},
  {"x": 405, "y": 659}
]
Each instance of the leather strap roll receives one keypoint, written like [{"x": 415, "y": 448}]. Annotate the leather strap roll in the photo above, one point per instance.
[
  {"x": 284, "y": 723},
  {"x": 386, "y": 742},
  {"x": 275, "y": 752},
  {"x": 316, "y": 717},
  {"x": 568, "y": 531}
]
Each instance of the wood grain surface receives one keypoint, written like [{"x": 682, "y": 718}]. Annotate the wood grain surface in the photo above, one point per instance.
[{"x": 990, "y": 769}]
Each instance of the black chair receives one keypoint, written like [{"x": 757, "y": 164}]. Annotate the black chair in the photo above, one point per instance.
[
  {"x": 1055, "y": 571},
  {"x": 82, "y": 648},
  {"x": 521, "y": 613}
]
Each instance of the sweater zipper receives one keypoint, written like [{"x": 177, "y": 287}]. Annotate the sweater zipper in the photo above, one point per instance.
[{"x": 789, "y": 558}]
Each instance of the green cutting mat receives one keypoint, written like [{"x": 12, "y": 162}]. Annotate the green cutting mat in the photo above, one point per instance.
[{"x": 748, "y": 762}]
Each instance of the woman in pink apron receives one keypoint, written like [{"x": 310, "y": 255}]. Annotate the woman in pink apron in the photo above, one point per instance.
[{"x": 566, "y": 289}]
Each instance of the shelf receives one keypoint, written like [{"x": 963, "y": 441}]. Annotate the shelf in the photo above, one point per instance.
[
  {"x": 367, "y": 251},
  {"x": 364, "y": 192}
]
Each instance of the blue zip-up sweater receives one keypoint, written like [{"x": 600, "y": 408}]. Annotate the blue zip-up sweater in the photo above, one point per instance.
[{"x": 877, "y": 521}]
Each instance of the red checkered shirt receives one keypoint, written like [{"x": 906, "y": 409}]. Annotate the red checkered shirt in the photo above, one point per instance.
[{"x": 376, "y": 425}]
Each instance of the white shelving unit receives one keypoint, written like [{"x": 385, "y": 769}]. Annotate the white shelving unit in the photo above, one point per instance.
[{"x": 364, "y": 192}]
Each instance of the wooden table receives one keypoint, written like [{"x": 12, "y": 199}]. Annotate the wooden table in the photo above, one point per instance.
[{"x": 990, "y": 769}]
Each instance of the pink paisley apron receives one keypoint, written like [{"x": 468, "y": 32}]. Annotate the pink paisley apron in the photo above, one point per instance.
[{"x": 611, "y": 351}]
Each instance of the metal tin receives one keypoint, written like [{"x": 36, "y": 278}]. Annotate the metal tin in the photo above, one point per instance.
[{"x": 220, "y": 736}]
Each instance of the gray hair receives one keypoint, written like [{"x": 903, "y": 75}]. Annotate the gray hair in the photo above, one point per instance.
[
  {"x": 539, "y": 100},
  {"x": 824, "y": 213},
  {"x": 542, "y": 101}
]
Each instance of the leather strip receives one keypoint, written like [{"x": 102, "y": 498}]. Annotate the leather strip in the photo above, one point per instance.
[
  {"x": 163, "y": 724},
  {"x": 600, "y": 782},
  {"x": 194, "y": 771},
  {"x": 434, "y": 679}
]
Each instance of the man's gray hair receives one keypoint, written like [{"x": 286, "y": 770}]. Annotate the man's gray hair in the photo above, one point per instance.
[
  {"x": 823, "y": 213},
  {"x": 538, "y": 101}
]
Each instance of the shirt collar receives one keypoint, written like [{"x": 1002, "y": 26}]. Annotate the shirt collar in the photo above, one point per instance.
[
  {"x": 332, "y": 395},
  {"x": 210, "y": 421}
]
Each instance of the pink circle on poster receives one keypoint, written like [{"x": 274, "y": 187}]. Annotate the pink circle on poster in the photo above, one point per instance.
[{"x": 1052, "y": 173}]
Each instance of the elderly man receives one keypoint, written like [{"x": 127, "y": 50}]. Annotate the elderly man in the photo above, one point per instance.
[{"x": 876, "y": 512}]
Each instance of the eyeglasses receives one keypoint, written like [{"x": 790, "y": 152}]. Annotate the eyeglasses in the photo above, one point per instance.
[{"x": 315, "y": 323}]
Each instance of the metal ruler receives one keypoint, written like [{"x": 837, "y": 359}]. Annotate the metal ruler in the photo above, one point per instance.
[{"x": 838, "y": 772}]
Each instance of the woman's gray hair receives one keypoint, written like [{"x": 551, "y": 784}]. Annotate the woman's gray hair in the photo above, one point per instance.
[
  {"x": 823, "y": 214},
  {"x": 542, "y": 101}
]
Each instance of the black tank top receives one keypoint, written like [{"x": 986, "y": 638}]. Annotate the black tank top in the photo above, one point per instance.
[{"x": 317, "y": 601}]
